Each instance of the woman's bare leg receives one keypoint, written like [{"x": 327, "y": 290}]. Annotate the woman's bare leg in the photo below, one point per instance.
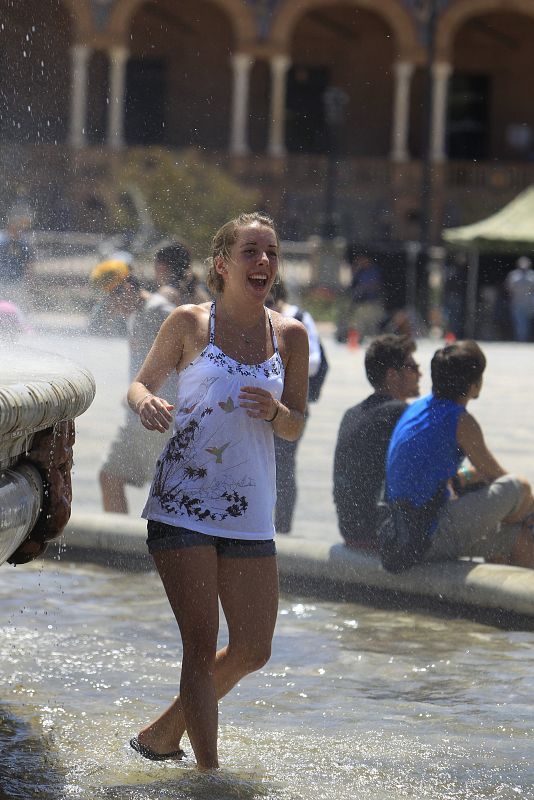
[
  {"x": 189, "y": 576},
  {"x": 113, "y": 493},
  {"x": 248, "y": 590}
]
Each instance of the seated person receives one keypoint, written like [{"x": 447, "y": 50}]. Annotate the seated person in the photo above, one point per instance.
[
  {"x": 364, "y": 434},
  {"x": 426, "y": 484}
]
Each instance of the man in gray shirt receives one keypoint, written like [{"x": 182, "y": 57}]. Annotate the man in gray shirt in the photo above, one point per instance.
[{"x": 363, "y": 438}]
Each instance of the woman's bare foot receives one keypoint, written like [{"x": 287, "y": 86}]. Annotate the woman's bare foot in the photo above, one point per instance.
[
  {"x": 147, "y": 752},
  {"x": 160, "y": 738}
]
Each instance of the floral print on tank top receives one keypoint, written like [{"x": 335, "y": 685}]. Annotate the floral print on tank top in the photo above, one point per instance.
[{"x": 196, "y": 477}]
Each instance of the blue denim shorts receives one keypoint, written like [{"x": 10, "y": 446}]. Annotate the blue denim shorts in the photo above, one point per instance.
[{"x": 169, "y": 537}]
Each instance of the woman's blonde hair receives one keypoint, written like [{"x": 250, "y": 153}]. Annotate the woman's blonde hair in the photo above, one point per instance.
[{"x": 226, "y": 237}]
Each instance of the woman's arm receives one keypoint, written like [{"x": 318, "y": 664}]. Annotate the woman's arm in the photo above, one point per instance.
[
  {"x": 165, "y": 356},
  {"x": 471, "y": 441},
  {"x": 285, "y": 415}
]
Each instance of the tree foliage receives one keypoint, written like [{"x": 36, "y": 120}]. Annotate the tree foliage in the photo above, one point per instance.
[{"x": 183, "y": 194}]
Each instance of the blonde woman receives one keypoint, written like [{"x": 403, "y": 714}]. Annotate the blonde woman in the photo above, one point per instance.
[{"x": 242, "y": 376}]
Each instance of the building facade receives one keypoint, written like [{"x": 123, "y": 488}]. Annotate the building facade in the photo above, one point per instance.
[{"x": 440, "y": 85}]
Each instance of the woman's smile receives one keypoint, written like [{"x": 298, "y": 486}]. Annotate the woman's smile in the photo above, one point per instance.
[{"x": 259, "y": 280}]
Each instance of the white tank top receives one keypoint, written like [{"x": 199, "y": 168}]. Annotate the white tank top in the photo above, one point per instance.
[{"x": 217, "y": 473}]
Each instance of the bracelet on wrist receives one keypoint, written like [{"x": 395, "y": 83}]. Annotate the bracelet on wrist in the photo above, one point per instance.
[
  {"x": 466, "y": 473},
  {"x": 275, "y": 413},
  {"x": 138, "y": 404}
]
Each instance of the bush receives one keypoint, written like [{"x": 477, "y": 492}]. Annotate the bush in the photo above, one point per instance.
[{"x": 185, "y": 196}]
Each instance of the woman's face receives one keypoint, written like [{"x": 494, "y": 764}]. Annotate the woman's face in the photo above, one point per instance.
[{"x": 253, "y": 261}]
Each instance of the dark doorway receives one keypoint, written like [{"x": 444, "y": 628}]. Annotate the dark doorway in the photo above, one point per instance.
[
  {"x": 146, "y": 92},
  {"x": 98, "y": 109},
  {"x": 306, "y": 125},
  {"x": 468, "y": 116}
]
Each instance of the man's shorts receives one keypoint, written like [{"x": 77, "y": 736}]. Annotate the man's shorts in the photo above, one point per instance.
[
  {"x": 472, "y": 525},
  {"x": 168, "y": 537},
  {"x": 134, "y": 451}
]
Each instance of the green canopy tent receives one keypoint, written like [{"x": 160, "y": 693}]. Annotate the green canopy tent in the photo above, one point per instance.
[{"x": 510, "y": 230}]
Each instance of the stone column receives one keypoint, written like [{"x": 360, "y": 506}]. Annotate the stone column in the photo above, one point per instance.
[
  {"x": 80, "y": 54},
  {"x": 277, "y": 128},
  {"x": 441, "y": 71},
  {"x": 242, "y": 64},
  {"x": 118, "y": 59},
  {"x": 403, "y": 71}
]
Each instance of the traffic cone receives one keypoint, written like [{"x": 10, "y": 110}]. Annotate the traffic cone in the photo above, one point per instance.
[{"x": 353, "y": 339}]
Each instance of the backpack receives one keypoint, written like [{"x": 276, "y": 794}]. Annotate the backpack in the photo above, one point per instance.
[
  {"x": 403, "y": 535},
  {"x": 315, "y": 382}
]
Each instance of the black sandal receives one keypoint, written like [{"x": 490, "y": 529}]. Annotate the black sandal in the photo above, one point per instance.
[{"x": 147, "y": 752}]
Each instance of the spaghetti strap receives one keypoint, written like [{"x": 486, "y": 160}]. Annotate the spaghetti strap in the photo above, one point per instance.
[
  {"x": 273, "y": 334},
  {"x": 212, "y": 323}
]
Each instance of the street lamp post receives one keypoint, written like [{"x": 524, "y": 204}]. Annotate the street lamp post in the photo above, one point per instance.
[{"x": 427, "y": 14}]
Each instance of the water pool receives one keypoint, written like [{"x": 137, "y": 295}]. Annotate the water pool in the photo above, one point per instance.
[{"x": 355, "y": 703}]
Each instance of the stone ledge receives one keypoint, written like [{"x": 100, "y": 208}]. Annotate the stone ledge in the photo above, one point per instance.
[
  {"x": 326, "y": 570},
  {"x": 38, "y": 390}
]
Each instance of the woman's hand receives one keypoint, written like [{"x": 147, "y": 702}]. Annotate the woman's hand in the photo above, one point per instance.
[
  {"x": 154, "y": 413},
  {"x": 259, "y": 403}
]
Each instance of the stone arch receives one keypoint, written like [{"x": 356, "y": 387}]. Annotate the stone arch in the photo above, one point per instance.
[
  {"x": 462, "y": 10},
  {"x": 240, "y": 17},
  {"x": 392, "y": 12},
  {"x": 488, "y": 45}
]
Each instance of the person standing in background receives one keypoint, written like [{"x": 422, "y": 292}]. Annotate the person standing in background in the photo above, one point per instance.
[
  {"x": 175, "y": 279},
  {"x": 16, "y": 260},
  {"x": 12, "y": 323},
  {"x": 286, "y": 451},
  {"x": 520, "y": 287},
  {"x": 133, "y": 452},
  {"x": 454, "y": 292},
  {"x": 362, "y": 305}
]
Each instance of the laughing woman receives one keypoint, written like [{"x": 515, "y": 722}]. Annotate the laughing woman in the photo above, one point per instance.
[{"x": 243, "y": 374}]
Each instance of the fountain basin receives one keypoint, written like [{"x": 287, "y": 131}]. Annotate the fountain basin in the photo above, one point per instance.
[
  {"x": 40, "y": 396},
  {"x": 496, "y": 592}
]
